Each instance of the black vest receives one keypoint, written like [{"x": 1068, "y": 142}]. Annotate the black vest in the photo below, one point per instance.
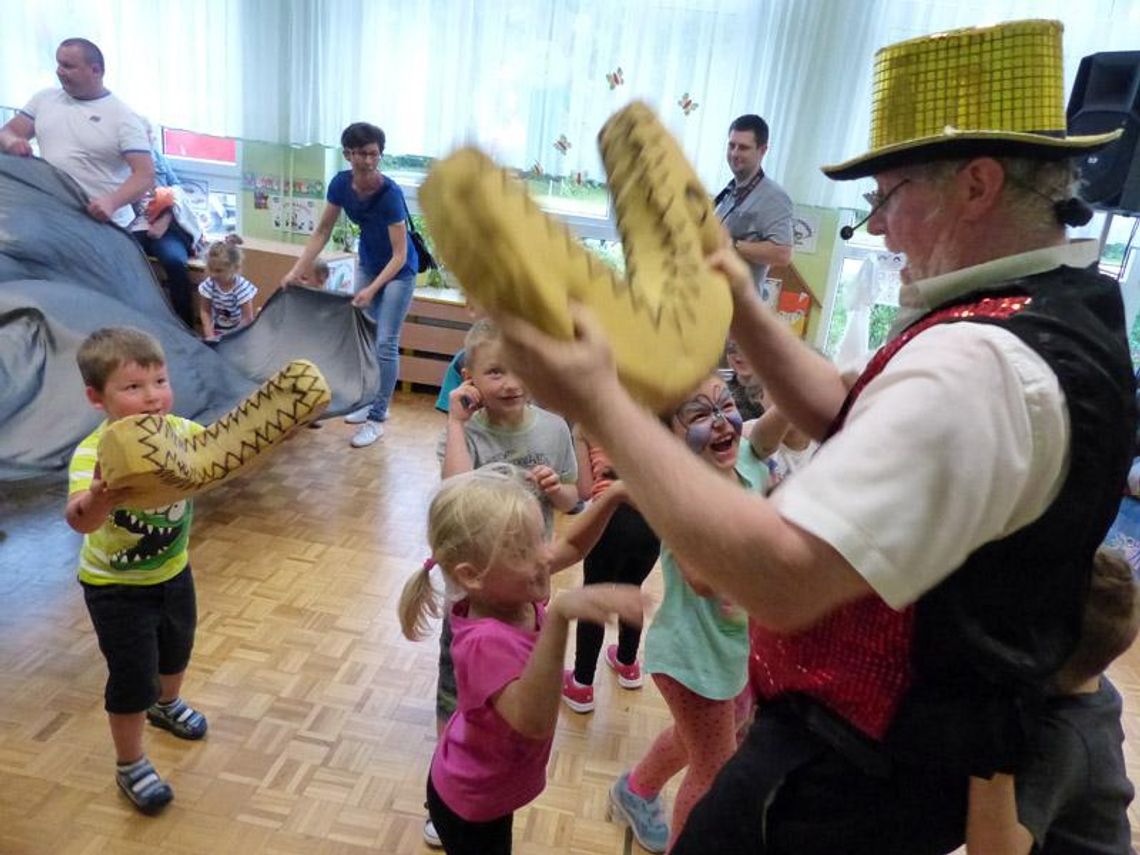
[{"x": 989, "y": 637}]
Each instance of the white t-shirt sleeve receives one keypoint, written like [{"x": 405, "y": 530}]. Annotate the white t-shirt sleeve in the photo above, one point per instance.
[
  {"x": 32, "y": 108},
  {"x": 132, "y": 135},
  {"x": 962, "y": 439}
]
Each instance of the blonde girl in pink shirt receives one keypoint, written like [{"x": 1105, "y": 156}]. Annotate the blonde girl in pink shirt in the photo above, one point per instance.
[{"x": 487, "y": 535}]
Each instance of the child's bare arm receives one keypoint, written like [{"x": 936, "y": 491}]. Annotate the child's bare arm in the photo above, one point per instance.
[
  {"x": 207, "y": 318},
  {"x": 768, "y": 432},
  {"x": 585, "y": 472},
  {"x": 564, "y": 497},
  {"x": 88, "y": 509},
  {"x": 991, "y": 821},
  {"x": 463, "y": 402},
  {"x": 530, "y": 703},
  {"x": 583, "y": 533},
  {"x": 247, "y": 313}
]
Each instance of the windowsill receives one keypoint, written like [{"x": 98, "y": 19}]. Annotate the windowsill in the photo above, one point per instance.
[{"x": 452, "y": 296}]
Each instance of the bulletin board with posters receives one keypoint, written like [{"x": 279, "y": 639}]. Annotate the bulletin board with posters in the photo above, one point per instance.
[{"x": 786, "y": 293}]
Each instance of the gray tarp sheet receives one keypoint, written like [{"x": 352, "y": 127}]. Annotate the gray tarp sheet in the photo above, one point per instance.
[{"x": 63, "y": 275}]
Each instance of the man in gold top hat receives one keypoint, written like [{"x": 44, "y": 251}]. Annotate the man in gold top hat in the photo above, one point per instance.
[{"x": 913, "y": 589}]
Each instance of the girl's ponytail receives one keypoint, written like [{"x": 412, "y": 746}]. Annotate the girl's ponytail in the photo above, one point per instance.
[{"x": 418, "y": 601}]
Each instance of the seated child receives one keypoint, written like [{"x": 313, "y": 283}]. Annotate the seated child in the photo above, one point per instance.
[
  {"x": 133, "y": 566},
  {"x": 744, "y": 384},
  {"x": 488, "y": 536},
  {"x": 320, "y": 273},
  {"x": 227, "y": 295},
  {"x": 1072, "y": 793},
  {"x": 317, "y": 277},
  {"x": 452, "y": 377},
  {"x": 785, "y": 448},
  {"x": 454, "y": 374}
]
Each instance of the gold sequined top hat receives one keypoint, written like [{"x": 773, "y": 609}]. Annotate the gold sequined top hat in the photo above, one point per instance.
[{"x": 967, "y": 93}]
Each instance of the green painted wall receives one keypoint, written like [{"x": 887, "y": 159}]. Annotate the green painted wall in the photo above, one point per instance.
[
  {"x": 282, "y": 167},
  {"x": 814, "y": 267}
]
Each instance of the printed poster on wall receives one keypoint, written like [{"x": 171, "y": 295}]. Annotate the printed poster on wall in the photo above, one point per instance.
[
  {"x": 805, "y": 230},
  {"x": 794, "y": 307},
  {"x": 298, "y": 216}
]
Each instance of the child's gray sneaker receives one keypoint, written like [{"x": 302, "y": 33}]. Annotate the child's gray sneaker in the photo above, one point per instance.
[{"x": 645, "y": 817}]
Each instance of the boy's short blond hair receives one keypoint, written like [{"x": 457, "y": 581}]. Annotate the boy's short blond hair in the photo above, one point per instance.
[
  {"x": 482, "y": 333},
  {"x": 105, "y": 350},
  {"x": 1109, "y": 624}
]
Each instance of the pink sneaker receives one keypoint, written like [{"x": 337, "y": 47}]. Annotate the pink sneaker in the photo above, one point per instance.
[
  {"x": 578, "y": 698},
  {"x": 629, "y": 676}
]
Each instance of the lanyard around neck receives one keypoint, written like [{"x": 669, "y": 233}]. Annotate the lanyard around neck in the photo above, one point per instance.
[{"x": 739, "y": 194}]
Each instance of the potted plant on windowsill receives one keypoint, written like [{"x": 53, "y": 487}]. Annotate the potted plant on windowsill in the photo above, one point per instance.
[{"x": 345, "y": 234}]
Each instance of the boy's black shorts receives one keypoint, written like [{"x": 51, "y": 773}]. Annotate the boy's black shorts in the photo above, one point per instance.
[{"x": 143, "y": 631}]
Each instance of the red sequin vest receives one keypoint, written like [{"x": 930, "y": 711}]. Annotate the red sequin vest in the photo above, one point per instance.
[{"x": 857, "y": 661}]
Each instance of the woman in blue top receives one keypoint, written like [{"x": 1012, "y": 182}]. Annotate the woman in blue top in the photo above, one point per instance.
[{"x": 387, "y": 263}]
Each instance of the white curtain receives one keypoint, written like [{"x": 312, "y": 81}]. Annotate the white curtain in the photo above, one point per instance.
[
  {"x": 176, "y": 62},
  {"x": 515, "y": 75}
]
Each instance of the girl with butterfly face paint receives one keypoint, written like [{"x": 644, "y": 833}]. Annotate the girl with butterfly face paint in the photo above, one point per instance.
[
  {"x": 696, "y": 648},
  {"x": 711, "y": 417}
]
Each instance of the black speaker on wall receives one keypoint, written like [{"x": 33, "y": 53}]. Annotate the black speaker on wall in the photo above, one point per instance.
[{"x": 1106, "y": 96}]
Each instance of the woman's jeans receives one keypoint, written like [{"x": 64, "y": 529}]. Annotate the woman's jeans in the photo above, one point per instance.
[
  {"x": 387, "y": 309},
  {"x": 172, "y": 252}
]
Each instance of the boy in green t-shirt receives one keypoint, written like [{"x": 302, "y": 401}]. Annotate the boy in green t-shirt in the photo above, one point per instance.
[{"x": 134, "y": 567}]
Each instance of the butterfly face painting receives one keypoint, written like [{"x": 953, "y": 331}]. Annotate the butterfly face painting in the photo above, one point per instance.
[{"x": 700, "y": 415}]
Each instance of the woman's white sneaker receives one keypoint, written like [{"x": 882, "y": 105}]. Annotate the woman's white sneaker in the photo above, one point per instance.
[
  {"x": 357, "y": 417},
  {"x": 369, "y": 432}
]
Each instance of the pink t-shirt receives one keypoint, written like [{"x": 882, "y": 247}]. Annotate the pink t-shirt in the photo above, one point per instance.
[{"x": 483, "y": 768}]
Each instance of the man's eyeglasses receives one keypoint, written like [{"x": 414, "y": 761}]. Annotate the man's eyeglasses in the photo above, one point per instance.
[{"x": 876, "y": 199}]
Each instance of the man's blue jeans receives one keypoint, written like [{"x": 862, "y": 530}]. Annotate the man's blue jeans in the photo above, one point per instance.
[{"x": 388, "y": 308}]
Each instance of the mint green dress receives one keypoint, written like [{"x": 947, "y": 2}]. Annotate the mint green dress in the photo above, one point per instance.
[{"x": 701, "y": 642}]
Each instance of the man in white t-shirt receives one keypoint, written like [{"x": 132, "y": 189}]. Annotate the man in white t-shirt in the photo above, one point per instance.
[
  {"x": 88, "y": 133},
  {"x": 915, "y": 585}
]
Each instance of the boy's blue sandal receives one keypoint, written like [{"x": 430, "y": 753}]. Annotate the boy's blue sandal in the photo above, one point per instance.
[
  {"x": 179, "y": 718},
  {"x": 141, "y": 784}
]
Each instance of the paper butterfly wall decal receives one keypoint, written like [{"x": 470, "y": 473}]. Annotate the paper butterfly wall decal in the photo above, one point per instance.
[
  {"x": 615, "y": 78},
  {"x": 687, "y": 104},
  {"x": 562, "y": 144}
]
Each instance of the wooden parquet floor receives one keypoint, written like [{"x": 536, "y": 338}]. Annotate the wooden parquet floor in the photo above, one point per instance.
[
  {"x": 322, "y": 716},
  {"x": 321, "y": 713}
]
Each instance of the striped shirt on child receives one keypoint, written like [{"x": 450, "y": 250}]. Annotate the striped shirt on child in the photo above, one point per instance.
[{"x": 225, "y": 306}]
